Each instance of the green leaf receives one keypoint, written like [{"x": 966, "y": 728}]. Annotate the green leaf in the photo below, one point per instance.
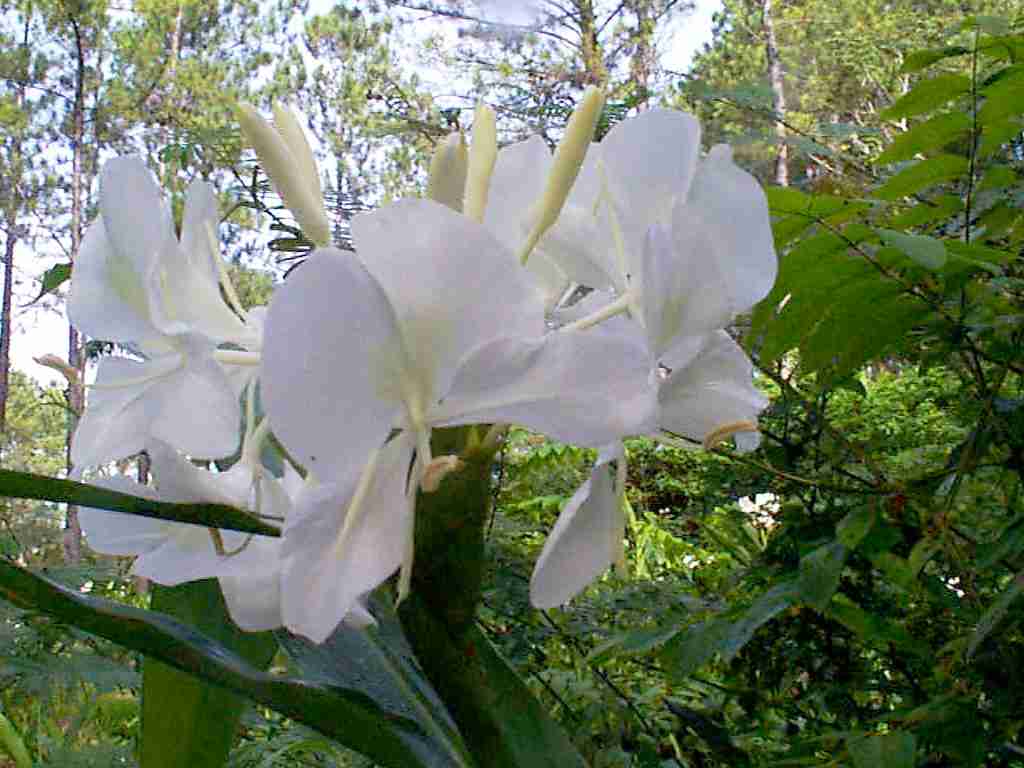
[
  {"x": 634, "y": 642},
  {"x": 927, "y": 95},
  {"x": 378, "y": 661},
  {"x": 820, "y": 571},
  {"x": 53, "y": 278},
  {"x": 999, "y": 134},
  {"x": 503, "y": 723},
  {"x": 693, "y": 647},
  {"x": 883, "y": 750},
  {"x": 25, "y": 485},
  {"x": 186, "y": 721},
  {"x": 922, "y": 175},
  {"x": 1004, "y": 98},
  {"x": 991, "y": 25},
  {"x": 872, "y": 629},
  {"x": 852, "y": 529},
  {"x": 923, "y": 213},
  {"x": 931, "y": 134},
  {"x": 995, "y": 613},
  {"x": 764, "y": 609},
  {"x": 918, "y": 60},
  {"x": 998, "y": 177},
  {"x": 926, "y": 251},
  {"x": 12, "y": 743},
  {"x": 347, "y": 715}
]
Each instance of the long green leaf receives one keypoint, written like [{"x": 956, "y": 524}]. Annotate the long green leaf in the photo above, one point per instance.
[
  {"x": 927, "y": 95},
  {"x": 884, "y": 750},
  {"x": 25, "y": 485},
  {"x": 185, "y": 720},
  {"x": 503, "y": 723},
  {"x": 922, "y": 175},
  {"x": 378, "y": 661},
  {"x": 995, "y": 613},
  {"x": 345, "y": 714},
  {"x": 935, "y": 132}
]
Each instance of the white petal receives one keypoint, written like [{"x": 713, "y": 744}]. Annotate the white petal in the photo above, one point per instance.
[
  {"x": 196, "y": 410},
  {"x": 579, "y": 386},
  {"x": 251, "y": 583},
  {"x": 136, "y": 218},
  {"x": 584, "y": 542},
  {"x": 332, "y": 363},
  {"x": 118, "y": 415},
  {"x": 723, "y": 245},
  {"x": 715, "y": 389},
  {"x": 517, "y": 184},
  {"x": 187, "y": 279},
  {"x": 178, "y": 479},
  {"x": 115, "y": 533},
  {"x": 580, "y": 246},
  {"x": 187, "y": 554},
  {"x": 323, "y": 575},
  {"x": 649, "y": 161},
  {"x": 453, "y": 286},
  {"x": 103, "y": 302}
]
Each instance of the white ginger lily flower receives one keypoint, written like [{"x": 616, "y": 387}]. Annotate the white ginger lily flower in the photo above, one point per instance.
[
  {"x": 172, "y": 553},
  {"x": 441, "y": 327},
  {"x": 137, "y": 284}
]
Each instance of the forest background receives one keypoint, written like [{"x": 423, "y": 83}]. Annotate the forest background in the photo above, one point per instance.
[{"x": 846, "y": 595}]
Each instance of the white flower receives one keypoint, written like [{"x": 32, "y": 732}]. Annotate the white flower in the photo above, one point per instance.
[
  {"x": 135, "y": 283},
  {"x": 437, "y": 325},
  {"x": 171, "y": 553}
]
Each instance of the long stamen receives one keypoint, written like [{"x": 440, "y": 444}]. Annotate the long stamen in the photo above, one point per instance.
[
  {"x": 617, "y": 307},
  {"x": 409, "y": 552},
  {"x": 222, "y": 272},
  {"x": 356, "y": 506},
  {"x": 620, "y": 501},
  {"x": 483, "y": 152},
  {"x": 236, "y": 357}
]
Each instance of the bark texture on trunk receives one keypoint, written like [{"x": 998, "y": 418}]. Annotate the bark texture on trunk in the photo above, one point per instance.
[{"x": 775, "y": 79}]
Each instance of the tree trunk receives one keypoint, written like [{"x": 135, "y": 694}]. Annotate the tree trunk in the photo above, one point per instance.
[
  {"x": 11, "y": 226},
  {"x": 778, "y": 94},
  {"x": 642, "y": 63},
  {"x": 75, "y": 391}
]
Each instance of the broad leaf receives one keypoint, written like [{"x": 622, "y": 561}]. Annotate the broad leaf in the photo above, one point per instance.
[
  {"x": 926, "y": 251},
  {"x": 820, "y": 571},
  {"x": 995, "y": 613},
  {"x": 345, "y": 714},
  {"x": 186, "y": 721},
  {"x": 53, "y": 278},
  {"x": 931, "y": 134},
  {"x": 378, "y": 661},
  {"x": 927, "y": 95},
  {"x": 25, "y": 485},
  {"x": 884, "y": 750},
  {"x": 922, "y": 175}
]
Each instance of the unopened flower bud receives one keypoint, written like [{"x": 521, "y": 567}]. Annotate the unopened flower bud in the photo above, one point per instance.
[
  {"x": 483, "y": 152},
  {"x": 288, "y": 161},
  {"x": 565, "y": 167},
  {"x": 448, "y": 168}
]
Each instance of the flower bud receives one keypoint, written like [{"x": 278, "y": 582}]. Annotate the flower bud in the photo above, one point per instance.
[
  {"x": 448, "y": 168},
  {"x": 566, "y": 166},
  {"x": 483, "y": 152},
  {"x": 288, "y": 161}
]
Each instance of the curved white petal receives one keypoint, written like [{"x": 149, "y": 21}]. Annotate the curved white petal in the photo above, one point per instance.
[
  {"x": 332, "y": 366},
  {"x": 196, "y": 410},
  {"x": 251, "y": 583},
  {"x": 576, "y": 386},
  {"x": 649, "y": 161},
  {"x": 586, "y": 539},
  {"x": 579, "y": 244},
  {"x": 187, "y": 554},
  {"x": 517, "y": 184},
  {"x": 115, "y": 533},
  {"x": 137, "y": 220},
  {"x": 452, "y": 285},
  {"x": 715, "y": 389},
  {"x": 722, "y": 242},
  {"x": 103, "y": 302},
  {"x": 187, "y": 279},
  {"x": 117, "y": 419},
  {"x": 323, "y": 573}
]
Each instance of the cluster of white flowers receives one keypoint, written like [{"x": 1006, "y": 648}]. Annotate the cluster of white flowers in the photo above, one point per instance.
[
  {"x": 434, "y": 322},
  {"x": 762, "y": 509}
]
